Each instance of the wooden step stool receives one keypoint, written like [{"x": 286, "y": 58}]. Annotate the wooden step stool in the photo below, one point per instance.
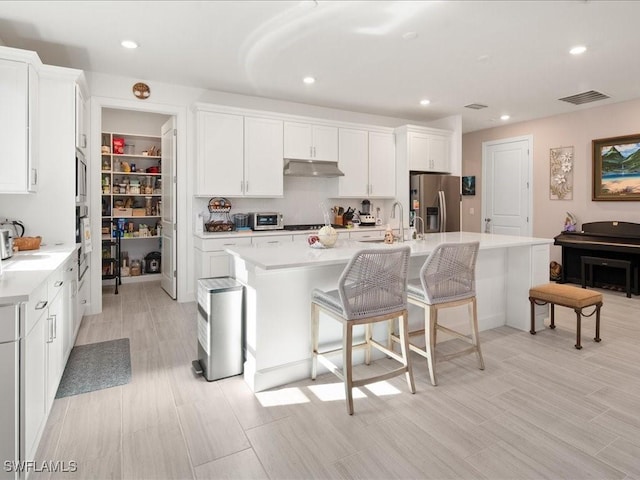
[{"x": 567, "y": 296}]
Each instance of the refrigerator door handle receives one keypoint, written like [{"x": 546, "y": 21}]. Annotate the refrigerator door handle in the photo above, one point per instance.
[{"x": 443, "y": 211}]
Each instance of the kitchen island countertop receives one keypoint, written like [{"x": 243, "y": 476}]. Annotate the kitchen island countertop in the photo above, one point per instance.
[
  {"x": 292, "y": 255},
  {"x": 25, "y": 271}
]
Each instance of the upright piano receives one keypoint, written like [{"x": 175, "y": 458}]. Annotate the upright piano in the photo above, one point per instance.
[{"x": 606, "y": 240}]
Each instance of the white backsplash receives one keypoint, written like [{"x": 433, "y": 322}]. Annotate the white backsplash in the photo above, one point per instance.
[{"x": 301, "y": 203}]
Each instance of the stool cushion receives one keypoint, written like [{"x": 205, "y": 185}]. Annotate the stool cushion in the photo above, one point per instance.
[
  {"x": 415, "y": 290},
  {"x": 565, "y": 295},
  {"x": 329, "y": 300}
]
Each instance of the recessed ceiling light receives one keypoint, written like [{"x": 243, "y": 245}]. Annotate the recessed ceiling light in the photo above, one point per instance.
[
  {"x": 505, "y": 117},
  {"x": 129, "y": 44},
  {"x": 425, "y": 102},
  {"x": 578, "y": 49},
  {"x": 309, "y": 80},
  {"x": 410, "y": 36}
]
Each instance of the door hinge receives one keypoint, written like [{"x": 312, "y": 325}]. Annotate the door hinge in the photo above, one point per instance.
[
  {"x": 175, "y": 275},
  {"x": 175, "y": 226},
  {"x": 175, "y": 132}
]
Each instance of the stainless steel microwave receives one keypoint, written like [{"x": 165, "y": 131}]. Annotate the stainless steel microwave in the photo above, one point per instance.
[
  {"x": 81, "y": 178},
  {"x": 266, "y": 221}
]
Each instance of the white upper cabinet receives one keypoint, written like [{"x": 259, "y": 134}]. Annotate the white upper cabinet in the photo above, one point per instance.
[
  {"x": 263, "y": 164},
  {"x": 80, "y": 120},
  {"x": 353, "y": 161},
  {"x": 307, "y": 141},
  {"x": 429, "y": 152},
  {"x": 220, "y": 155},
  {"x": 238, "y": 155},
  {"x": 382, "y": 165},
  {"x": 18, "y": 127},
  {"x": 367, "y": 160}
]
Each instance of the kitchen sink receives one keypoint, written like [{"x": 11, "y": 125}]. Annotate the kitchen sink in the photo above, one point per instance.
[{"x": 373, "y": 240}]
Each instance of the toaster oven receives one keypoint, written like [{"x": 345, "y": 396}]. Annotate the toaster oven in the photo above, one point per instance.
[{"x": 266, "y": 221}]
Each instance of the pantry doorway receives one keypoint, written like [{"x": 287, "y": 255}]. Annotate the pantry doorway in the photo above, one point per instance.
[{"x": 174, "y": 262}]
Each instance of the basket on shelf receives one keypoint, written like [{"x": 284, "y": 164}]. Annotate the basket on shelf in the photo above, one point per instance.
[
  {"x": 219, "y": 219},
  {"x": 219, "y": 205}
]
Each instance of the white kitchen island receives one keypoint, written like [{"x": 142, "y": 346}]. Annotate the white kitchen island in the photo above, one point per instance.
[{"x": 279, "y": 280}]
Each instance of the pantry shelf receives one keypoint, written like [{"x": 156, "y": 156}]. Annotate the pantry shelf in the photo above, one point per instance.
[{"x": 131, "y": 192}]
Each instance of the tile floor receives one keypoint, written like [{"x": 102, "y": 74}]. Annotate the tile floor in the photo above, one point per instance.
[{"x": 541, "y": 409}]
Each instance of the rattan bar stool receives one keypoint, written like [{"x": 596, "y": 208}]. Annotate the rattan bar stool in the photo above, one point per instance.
[
  {"x": 447, "y": 279},
  {"x": 371, "y": 289}
]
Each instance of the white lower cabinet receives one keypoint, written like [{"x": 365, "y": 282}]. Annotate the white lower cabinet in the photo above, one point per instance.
[
  {"x": 55, "y": 353},
  {"x": 83, "y": 298},
  {"x": 48, "y": 340},
  {"x": 71, "y": 322},
  {"x": 210, "y": 258},
  {"x": 34, "y": 375}
]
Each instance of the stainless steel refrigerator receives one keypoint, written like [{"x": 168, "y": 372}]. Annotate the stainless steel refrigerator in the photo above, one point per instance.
[{"x": 436, "y": 200}]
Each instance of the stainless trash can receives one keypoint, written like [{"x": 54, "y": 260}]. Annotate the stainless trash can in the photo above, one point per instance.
[{"x": 220, "y": 327}]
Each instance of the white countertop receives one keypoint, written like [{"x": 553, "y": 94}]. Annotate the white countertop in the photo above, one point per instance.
[
  {"x": 294, "y": 255},
  {"x": 265, "y": 233},
  {"x": 25, "y": 271}
]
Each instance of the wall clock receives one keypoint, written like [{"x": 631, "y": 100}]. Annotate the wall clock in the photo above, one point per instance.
[{"x": 141, "y": 91}]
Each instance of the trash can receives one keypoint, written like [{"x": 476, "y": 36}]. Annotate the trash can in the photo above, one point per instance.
[{"x": 220, "y": 328}]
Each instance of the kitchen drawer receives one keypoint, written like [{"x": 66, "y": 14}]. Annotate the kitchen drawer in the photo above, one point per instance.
[
  {"x": 272, "y": 240},
  {"x": 37, "y": 305},
  {"x": 363, "y": 235},
  {"x": 55, "y": 283},
  {"x": 213, "y": 244}
]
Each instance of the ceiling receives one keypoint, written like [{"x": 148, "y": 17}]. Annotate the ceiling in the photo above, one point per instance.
[{"x": 512, "y": 56}]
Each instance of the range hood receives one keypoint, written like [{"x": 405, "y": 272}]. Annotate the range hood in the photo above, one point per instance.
[{"x": 311, "y": 168}]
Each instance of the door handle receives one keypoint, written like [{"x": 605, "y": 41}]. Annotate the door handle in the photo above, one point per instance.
[{"x": 50, "y": 328}]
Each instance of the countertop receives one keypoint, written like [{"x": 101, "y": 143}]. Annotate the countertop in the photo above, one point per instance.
[
  {"x": 25, "y": 271},
  {"x": 293, "y": 255},
  {"x": 266, "y": 233}
]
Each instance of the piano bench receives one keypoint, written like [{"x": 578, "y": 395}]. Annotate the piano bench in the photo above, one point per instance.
[
  {"x": 609, "y": 262},
  {"x": 566, "y": 296}
]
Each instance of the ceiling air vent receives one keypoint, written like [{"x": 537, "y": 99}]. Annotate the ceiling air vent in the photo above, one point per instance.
[
  {"x": 584, "y": 97},
  {"x": 475, "y": 106}
]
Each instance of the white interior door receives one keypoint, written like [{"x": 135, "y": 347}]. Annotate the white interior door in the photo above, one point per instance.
[
  {"x": 168, "y": 149},
  {"x": 506, "y": 186}
]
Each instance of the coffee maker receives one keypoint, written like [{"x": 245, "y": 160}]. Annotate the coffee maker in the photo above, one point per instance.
[{"x": 366, "y": 217}]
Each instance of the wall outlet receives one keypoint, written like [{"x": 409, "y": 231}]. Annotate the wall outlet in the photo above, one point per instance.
[{"x": 472, "y": 211}]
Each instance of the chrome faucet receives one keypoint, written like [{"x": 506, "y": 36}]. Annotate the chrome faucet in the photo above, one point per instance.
[
  {"x": 401, "y": 223},
  {"x": 421, "y": 224}
]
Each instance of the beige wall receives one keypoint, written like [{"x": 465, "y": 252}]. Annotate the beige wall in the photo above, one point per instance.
[{"x": 575, "y": 129}]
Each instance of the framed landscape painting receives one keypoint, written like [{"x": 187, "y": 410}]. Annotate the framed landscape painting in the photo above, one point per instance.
[{"x": 616, "y": 168}]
